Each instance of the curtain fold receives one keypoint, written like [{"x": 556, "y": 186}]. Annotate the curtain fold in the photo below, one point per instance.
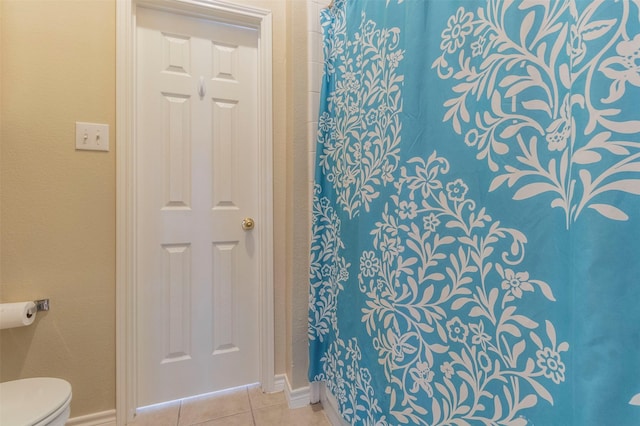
[{"x": 475, "y": 253}]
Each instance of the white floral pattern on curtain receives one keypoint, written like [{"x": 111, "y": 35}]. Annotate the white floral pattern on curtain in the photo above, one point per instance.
[
  {"x": 360, "y": 138},
  {"x": 558, "y": 62},
  {"x": 445, "y": 289}
]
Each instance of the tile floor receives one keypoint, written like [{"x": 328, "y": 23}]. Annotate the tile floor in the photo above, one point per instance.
[{"x": 246, "y": 406}]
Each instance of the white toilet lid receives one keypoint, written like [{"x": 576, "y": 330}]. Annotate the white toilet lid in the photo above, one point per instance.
[{"x": 28, "y": 401}]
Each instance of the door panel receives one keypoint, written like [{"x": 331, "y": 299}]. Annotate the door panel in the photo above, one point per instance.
[{"x": 196, "y": 160}]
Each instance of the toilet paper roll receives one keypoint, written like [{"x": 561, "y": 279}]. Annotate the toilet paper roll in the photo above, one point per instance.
[{"x": 18, "y": 314}]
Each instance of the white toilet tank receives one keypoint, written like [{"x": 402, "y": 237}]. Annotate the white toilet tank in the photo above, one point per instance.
[{"x": 38, "y": 401}]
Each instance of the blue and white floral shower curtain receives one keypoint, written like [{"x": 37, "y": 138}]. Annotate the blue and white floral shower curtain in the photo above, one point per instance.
[{"x": 476, "y": 219}]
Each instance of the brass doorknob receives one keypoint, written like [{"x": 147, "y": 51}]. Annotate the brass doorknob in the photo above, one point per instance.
[{"x": 248, "y": 224}]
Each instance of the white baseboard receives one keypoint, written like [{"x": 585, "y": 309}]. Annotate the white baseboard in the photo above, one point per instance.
[
  {"x": 296, "y": 398},
  {"x": 279, "y": 382},
  {"x": 96, "y": 419},
  {"x": 316, "y": 391}
]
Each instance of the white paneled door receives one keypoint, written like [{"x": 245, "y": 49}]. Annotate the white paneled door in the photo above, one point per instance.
[{"x": 197, "y": 164}]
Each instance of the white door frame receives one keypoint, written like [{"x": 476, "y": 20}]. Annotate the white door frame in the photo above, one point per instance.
[{"x": 126, "y": 339}]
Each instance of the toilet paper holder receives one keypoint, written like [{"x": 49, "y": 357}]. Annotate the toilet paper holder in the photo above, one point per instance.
[{"x": 42, "y": 305}]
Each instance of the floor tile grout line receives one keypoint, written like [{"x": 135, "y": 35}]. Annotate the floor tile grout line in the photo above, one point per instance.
[
  {"x": 253, "y": 417},
  {"x": 218, "y": 418}
]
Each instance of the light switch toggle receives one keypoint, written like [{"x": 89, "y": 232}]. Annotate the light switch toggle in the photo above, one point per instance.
[{"x": 92, "y": 136}]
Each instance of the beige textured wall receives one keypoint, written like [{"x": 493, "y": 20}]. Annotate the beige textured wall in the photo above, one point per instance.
[
  {"x": 58, "y": 205},
  {"x": 298, "y": 197}
]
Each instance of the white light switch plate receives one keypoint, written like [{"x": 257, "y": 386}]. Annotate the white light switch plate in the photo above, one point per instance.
[{"x": 92, "y": 136}]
